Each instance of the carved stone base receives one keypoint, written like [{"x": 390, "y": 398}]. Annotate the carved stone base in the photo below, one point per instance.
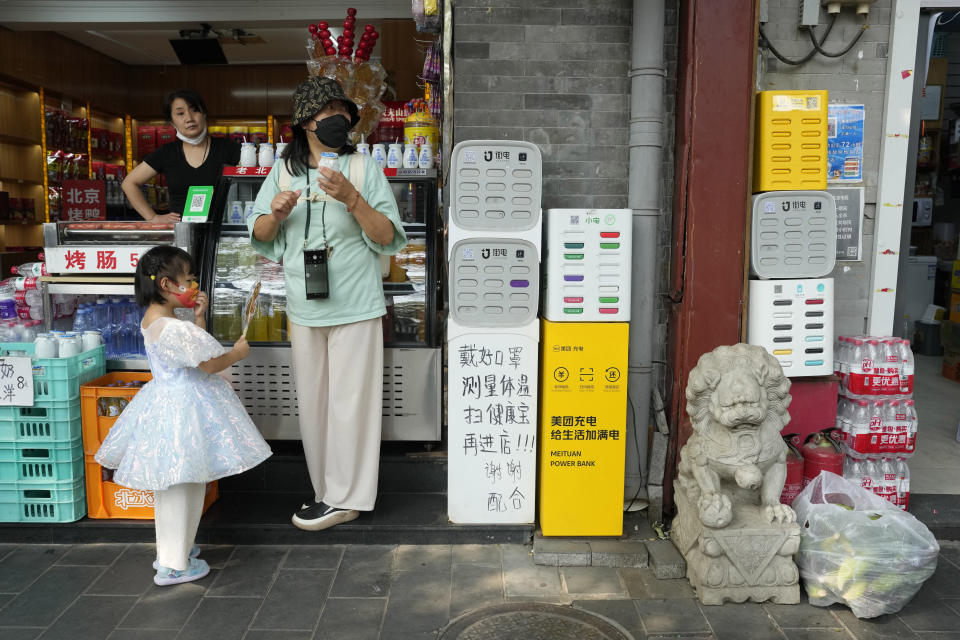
[{"x": 749, "y": 559}]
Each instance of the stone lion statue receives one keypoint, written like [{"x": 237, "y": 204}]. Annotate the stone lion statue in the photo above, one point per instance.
[{"x": 737, "y": 398}]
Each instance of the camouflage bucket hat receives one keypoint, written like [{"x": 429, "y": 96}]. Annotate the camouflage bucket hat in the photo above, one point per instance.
[{"x": 314, "y": 93}]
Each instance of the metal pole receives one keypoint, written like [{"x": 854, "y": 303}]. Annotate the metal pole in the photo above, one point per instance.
[{"x": 647, "y": 73}]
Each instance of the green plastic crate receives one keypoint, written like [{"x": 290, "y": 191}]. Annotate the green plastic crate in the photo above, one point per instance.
[
  {"x": 57, "y": 451},
  {"x": 41, "y": 470},
  {"x": 45, "y": 421},
  {"x": 50, "y": 502},
  {"x": 60, "y": 378}
]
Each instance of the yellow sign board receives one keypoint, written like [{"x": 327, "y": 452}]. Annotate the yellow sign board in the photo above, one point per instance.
[{"x": 583, "y": 432}]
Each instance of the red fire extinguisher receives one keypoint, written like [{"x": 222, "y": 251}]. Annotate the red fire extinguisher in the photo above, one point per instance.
[
  {"x": 794, "y": 481},
  {"x": 821, "y": 453}
]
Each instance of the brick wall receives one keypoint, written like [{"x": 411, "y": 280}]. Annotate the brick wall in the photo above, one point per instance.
[
  {"x": 555, "y": 73},
  {"x": 859, "y": 77}
]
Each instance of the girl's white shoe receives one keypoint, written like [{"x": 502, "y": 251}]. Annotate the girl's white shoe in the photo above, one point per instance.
[{"x": 195, "y": 570}]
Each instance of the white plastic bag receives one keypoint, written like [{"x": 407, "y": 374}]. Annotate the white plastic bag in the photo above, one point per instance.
[{"x": 867, "y": 554}]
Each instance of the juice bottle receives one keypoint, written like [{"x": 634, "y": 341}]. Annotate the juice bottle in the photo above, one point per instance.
[{"x": 275, "y": 323}]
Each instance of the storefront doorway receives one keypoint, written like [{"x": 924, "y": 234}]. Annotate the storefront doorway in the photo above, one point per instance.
[{"x": 928, "y": 237}]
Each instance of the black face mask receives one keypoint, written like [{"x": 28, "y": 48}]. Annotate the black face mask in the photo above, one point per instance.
[{"x": 332, "y": 131}]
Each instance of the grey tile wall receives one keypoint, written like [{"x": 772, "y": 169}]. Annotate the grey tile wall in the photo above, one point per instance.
[
  {"x": 556, "y": 73},
  {"x": 857, "y": 78}
]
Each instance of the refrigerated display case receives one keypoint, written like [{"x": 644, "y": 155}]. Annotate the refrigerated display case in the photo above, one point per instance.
[
  {"x": 97, "y": 260},
  {"x": 230, "y": 267}
]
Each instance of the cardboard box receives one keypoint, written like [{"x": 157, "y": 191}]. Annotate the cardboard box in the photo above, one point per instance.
[
  {"x": 950, "y": 337},
  {"x": 955, "y": 280},
  {"x": 951, "y": 366},
  {"x": 583, "y": 427},
  {"x": 954, "y": 308}
]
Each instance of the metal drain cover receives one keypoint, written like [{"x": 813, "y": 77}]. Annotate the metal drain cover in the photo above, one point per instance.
[{"x": 532, "y": 621}]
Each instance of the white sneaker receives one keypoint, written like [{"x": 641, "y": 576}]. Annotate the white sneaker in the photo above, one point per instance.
[{"x": 322, "y": 516}]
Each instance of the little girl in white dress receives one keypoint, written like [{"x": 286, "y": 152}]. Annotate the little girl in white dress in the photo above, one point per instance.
[{"x": 186, "y": 427}]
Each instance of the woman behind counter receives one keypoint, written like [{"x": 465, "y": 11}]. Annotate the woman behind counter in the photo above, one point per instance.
[{"x": 195, "y": 159}]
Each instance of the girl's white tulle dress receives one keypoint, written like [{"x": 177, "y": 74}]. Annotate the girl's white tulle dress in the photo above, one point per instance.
[{"x": 184, "y": 425}]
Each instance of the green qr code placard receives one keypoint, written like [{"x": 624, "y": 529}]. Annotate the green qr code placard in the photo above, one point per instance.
[{"x": 198, "y": 204}]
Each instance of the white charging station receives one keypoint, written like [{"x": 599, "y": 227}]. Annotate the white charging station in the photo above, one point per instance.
[
  {"x": 587, "y": 265},
  {"x": 493, "y": 335},
  {"x": 793, "y": 320}
]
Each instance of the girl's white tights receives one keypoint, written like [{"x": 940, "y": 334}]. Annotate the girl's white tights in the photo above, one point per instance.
[{"x": 177, "y": 513}]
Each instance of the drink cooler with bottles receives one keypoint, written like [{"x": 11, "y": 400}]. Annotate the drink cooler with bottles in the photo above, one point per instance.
[{"x": 229, "y": 268}]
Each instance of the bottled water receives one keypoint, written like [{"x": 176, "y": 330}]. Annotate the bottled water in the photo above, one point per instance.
[
  {"x": 129, "y": 331},
  {"x": 888, "y": 440},
  {"x": 856, "y": 354},
  {"x": 889, "y": 481},
  {"x": 842, "y": 423},
  {"x": 100, "y": 316},
  {"x": 859, "y": 436},
  {"x": 81, "y": 321},
  {"x": 903, "y": 484},
  {"x": 30, "y": 331},
  {"x": 32, "y": 269},
  {"x": 876, "y": 426},
  {"x": 890, "y": 367},
  {"x": 872, "y": 470},
  {"x": 910, "y": 415},
  {"x": 906, "y": 367}
]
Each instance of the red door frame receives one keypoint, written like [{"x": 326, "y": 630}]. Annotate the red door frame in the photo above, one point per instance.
[{"x": 715, "y": 95}]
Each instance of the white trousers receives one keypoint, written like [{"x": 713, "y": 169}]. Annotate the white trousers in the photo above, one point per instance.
[
  {"x": 339, "y": 374},
  {"x": 177, "y": 512}
]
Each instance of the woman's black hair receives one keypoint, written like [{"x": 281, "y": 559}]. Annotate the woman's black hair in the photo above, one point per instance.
[
  {"x": 191, "y": 97},
  {"x": 162, "y": 261},
  {"x": 297, "y": 153}
]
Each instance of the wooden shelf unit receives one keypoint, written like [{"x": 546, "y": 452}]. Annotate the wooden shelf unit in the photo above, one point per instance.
[{"x": 21, "y": 162}]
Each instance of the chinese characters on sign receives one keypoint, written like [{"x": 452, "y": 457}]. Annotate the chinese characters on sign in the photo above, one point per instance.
[
  {"x": 84, "y": 200},
  {"x": 492, "y": 418},
  {"x": 845, "y": 143},
  {"x": 93, "y": 259},
  {"x": 849, "y": 222},
  {"x": 16, "y": 382},
  {"x": 246, "y": 171}
]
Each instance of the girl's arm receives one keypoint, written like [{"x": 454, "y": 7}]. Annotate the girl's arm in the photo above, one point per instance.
[{"x": 240, "y": 350}]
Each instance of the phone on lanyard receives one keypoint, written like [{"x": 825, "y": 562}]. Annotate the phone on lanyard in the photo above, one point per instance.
[{"x": 315, "y": 274}]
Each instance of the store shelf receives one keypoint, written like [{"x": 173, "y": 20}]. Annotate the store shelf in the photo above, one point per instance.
[
  {"x": 6, "y": 137},
  {"x": 400, "y": 288},
  {"x": 410, "y": 173},
  {"x": 38, "y": 183},
  {"x": 79, "y": 285}
]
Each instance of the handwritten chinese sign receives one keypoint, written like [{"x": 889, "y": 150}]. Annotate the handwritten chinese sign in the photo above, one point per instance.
[
  {"x": 84, "y": 200},
  {"x": 492, "y": 427},
  {"x": 16, "y": 382},
  {"x": 93, "y": 260}
]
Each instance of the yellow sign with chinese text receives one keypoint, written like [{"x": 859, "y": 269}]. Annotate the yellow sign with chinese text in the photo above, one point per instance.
[{"x": 583, "y": 414}]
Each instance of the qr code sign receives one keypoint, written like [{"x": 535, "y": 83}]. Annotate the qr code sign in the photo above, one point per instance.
[{"x": 196, "y": 203}]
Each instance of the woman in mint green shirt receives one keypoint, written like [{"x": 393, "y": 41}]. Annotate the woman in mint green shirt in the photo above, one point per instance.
[{"x": 329, "y": 228}]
